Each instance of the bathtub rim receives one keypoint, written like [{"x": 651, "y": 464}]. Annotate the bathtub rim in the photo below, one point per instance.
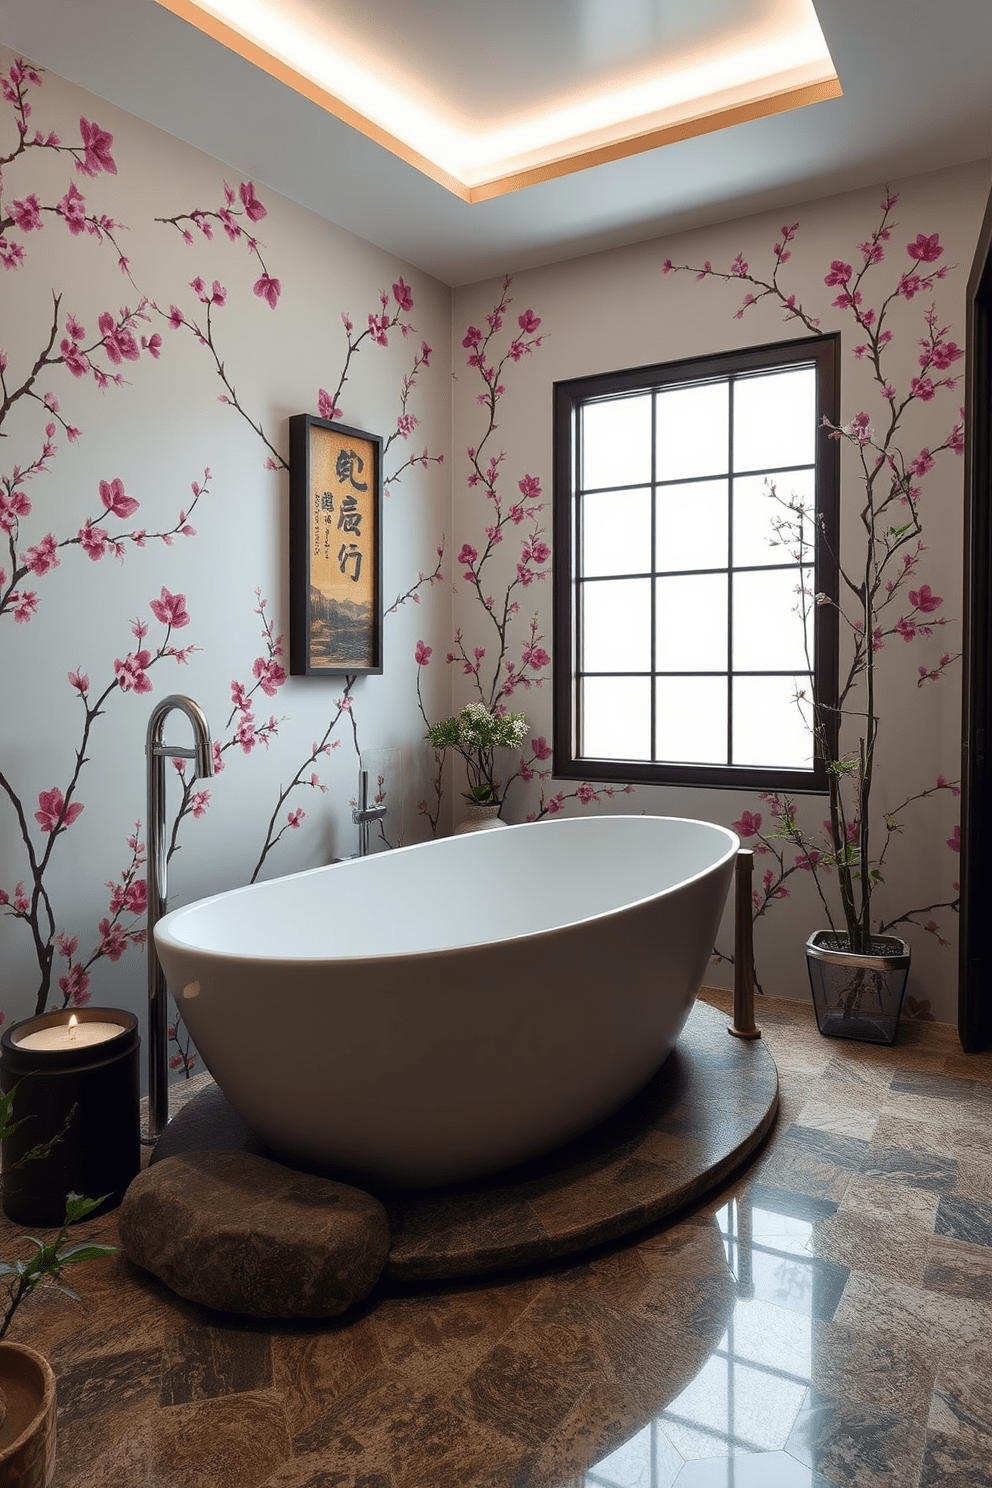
[{"x": 163, "y": 935}]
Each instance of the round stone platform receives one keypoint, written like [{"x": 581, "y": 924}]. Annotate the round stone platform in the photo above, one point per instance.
[{"x": 699, "y": 1118}]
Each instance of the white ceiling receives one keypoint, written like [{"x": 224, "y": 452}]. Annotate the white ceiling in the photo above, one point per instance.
[{"x": 917, "y": 95}]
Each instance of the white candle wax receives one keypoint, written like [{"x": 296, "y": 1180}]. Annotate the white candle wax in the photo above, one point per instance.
[{"x": 62, "y": 1036}]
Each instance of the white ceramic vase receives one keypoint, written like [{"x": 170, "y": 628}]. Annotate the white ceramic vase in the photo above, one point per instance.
[{"x": 480, "y": 818}]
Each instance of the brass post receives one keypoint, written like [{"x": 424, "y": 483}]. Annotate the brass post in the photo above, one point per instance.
[{"x": 744, "y": 1025}]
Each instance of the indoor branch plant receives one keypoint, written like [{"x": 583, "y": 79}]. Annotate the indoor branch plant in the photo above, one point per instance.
[{"x": 880, "y": 598}]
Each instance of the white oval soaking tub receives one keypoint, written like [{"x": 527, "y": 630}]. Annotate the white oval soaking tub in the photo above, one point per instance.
[{"x": 445, "y": 1010}]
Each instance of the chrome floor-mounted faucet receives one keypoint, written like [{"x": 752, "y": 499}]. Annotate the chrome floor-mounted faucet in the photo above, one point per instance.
[
  {"x": 156, "y": 753},
  {"x": 364, "y": 815}
]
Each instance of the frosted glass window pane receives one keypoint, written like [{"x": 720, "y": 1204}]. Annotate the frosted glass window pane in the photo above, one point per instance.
[
  {"x": 691, "y": 525},
  {"x": 616, "y": 532},
  {"x": 775, "y": 419},
  {"x": 616, "y": 625},
  {"x": 691, "y": 720},
  {"x": 692, "y": 431},
  {"x": 755, "y": 540},
  {"x": 616, "y": 442},
  {"x": 616, "y": 718},
  {"x": 691, "y": 624},
  {"x": 770, "y": 727},
  {"x": 768, "y": 626}
]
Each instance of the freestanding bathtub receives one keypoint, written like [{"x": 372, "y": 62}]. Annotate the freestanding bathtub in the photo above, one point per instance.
[{"x": 442, "y": 1011}]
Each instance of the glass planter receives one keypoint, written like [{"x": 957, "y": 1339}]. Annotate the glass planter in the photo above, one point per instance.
[{"x": 857, "y": 996}]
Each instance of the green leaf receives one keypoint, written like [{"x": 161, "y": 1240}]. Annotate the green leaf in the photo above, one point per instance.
[
  {"x": 85, "y": 1252},
  {"x": 77, "y": 1208}
]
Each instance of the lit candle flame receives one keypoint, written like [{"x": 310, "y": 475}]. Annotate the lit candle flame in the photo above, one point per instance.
[{"x": 73, "y": 1024}]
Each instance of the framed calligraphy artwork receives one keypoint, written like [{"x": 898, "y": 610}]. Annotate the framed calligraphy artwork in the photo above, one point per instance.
[{"x": 335, "y": 548}]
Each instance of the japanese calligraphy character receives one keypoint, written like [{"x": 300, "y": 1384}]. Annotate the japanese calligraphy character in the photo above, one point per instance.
[
  {"x": 346, "y": 555},
  {"x": 349, "y": 517},
  {"x": 345, "y": 468}
]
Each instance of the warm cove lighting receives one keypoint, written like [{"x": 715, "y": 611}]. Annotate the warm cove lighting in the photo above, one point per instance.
[{"x": 778, "y": 61}]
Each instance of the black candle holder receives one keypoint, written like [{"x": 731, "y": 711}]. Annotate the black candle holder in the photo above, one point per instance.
[{"x": 85, "y": 1101}]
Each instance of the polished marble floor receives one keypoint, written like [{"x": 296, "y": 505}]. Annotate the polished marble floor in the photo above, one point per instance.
[{"x": 823, "y": 1319}]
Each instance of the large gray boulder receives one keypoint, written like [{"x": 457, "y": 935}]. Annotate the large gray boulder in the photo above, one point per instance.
[{"x": 243, "y": 1234}]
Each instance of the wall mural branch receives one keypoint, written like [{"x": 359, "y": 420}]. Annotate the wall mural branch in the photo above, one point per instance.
[{"x": 880, "y": 597}]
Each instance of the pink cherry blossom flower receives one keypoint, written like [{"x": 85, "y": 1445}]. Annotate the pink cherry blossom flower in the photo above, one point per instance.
[
  {"x": 268, "y": 289},
  {"x": 93, "y": 541},
  {"x": 954, "y": 841},
  {"x": 245, "y": 734},
  {"x": 27, "y": 213},
  {"x": 925, "y": 249},
  {"x": 739, "y": 267},
  {"x": 75, "y": 986},
  {"x": 906, "y": 627},
  {"x": 943, "y": 354},
  {"x": 540, "y": 552},
  {"x": 749, "y": 824},
  {"x": 114, "y": 498},
  {"x": 113, "y": 940},
  {"x": 922, "y": 388},
  {"x": 403, "y": 295},
  {"x": 254, "y": 210},
  {"x": 175, "y": 317},
  {"x": 25, "y": 603},
  {"x": 585, "y": 794},
  {"x": 72, "y": 210},
  {"x": 472, "y": 337},
  {"x": 422, "y": 654},
  {"x": 295, "y": 817},
  {"x": 924, "y": 599},
  {"x": 326, "y": 407},
  {"x": 218, "y": 757},
  {"x": 528, "y": 322},
  {"x": 922, "y": 463},
  {"x": 541, "y": 748},
  {"x": 468, "y": 554},
  {"x": 43, "y": 556},
  {"x": 97, "y": 143},
  {"x": 555, "y": 804},
  {"x": 80, "y": 681},
  {"x": 199, "y": 802},
  {"x": 67, "y": 947},
  {"x": 136, "y": 896},
  {"x": 840, "y": 273},
  {"x": 270, "y": 675},
  {"x": 170, "y": 609},
  {"x": 76, "y": 360},
  {"x": 53, "y": 812},
  {"x": 530, "y": 487},
  {"x": 153, "y": 345},
  {"x": 130, "y": 671},
  {"x": 118, "y": 342}
]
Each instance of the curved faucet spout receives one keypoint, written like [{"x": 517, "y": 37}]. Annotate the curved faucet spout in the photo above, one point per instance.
[{"x": 157, "y": 753}]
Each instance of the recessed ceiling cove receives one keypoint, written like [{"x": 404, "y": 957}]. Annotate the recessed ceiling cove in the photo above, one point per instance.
[{"x": 594, "y": 80}]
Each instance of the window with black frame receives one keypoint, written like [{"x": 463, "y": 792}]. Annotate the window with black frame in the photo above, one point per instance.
[{"x": 689, "y": 643}]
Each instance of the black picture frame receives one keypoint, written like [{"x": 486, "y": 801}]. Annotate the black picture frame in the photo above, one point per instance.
[{"x": 335, "y": 548}]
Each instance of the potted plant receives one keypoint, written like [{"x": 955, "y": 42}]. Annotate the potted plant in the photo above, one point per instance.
[
  {"x": 476, "y": 733},
  {"x": 27, "y": 1384},
  {"x": 857, "y": 967}
]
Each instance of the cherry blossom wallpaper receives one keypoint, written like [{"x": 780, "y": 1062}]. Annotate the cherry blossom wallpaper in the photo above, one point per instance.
[
  {"x": 162, "y": 319},
  {"x": 737, "y": 284}
]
